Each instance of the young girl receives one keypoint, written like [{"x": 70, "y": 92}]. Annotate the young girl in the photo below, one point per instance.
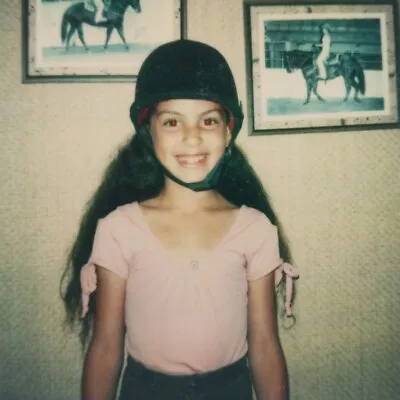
[
  {"x": 325, "y": 43},
  {"x": 184, "y": 243}
]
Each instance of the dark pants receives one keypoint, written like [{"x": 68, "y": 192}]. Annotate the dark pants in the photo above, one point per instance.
[{"x": 232, "y": 382}]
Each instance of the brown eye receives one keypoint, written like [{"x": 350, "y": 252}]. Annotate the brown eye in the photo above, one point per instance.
[
  {"x": 210, "y": 121},
  {"x": 172, "y": 123}
]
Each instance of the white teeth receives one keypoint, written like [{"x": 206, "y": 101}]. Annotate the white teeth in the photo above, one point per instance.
[{"x": 191, "y": 159}]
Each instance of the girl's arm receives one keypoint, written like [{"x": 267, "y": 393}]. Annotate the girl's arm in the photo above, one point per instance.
[
  {"x": 266, "y": 357},
  {"x": 106, "y": 351}
]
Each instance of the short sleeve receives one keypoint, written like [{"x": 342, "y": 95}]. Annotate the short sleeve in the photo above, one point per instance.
[
  {"x": 264, "y": 256},
  {"x": 106, "y": 251}
]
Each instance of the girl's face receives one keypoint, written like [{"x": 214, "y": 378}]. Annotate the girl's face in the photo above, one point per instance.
[{"x": 189, "y": 137}]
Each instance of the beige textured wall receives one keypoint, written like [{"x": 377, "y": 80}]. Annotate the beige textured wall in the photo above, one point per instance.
[{"x": 338, "y": 196}]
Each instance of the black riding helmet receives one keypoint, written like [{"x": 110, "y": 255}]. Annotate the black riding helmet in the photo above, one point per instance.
[{"x": 186, "y": 69}]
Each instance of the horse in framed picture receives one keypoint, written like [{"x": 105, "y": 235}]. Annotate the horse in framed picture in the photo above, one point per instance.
[
  {"x": 344, "y": 65},
  {"x": 83, "y": 12}
]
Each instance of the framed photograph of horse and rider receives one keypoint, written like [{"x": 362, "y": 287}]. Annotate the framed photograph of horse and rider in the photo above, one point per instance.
[
  {"x": 95, "y": 40},
  {"x": 321, "y": 66}
]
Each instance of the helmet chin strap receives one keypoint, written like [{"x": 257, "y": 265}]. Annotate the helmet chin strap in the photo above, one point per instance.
[{"x": 208, "y": 183}]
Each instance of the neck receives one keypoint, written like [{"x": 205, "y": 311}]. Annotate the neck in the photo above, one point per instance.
[{"x": 180, "y": 198}]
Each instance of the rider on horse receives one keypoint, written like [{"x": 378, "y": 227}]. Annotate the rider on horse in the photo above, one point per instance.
[
  {"x": 325, "y": 44},
  {"x": 99, "y": 6}
]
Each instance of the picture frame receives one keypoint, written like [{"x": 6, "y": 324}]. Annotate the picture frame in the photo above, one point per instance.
[
  {"x": 286, "y": 45},
  {"x": 53, "y": 52}
]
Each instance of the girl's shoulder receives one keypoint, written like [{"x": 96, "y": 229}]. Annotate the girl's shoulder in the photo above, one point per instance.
[
  {"x": 254, "y": 214},
  {"x": 124, "y": 213},
  {"x": 254, "y": 231},
  {"x": 254, "y": 220}
]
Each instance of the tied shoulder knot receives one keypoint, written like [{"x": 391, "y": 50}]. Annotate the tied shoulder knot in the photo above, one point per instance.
[
  {"x": 88, "y": 280},
  {"x": 290, "y": 272}
]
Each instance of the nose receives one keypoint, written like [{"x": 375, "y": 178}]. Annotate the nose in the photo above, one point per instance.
[{"x": 192, "y": 135}]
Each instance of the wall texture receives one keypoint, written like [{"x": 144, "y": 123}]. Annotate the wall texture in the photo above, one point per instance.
[{"x": 337, "y": 194}]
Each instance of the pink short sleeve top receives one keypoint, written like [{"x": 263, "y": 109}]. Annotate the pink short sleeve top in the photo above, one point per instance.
[{"x": 185, "y": 316}]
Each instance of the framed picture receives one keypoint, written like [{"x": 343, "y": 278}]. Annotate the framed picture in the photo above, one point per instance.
[
  {"x": 321, "y": 66},
  {"x": 95, "y": 40}
]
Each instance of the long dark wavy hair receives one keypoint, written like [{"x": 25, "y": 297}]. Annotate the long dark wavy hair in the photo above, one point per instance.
[{"x": 135, "y": 175}]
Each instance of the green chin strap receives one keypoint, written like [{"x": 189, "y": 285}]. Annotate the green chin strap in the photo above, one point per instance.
[{"x": 208, "y": 183}]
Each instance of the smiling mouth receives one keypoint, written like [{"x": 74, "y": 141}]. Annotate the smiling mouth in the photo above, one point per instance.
[{"x": 191, "y": 160}]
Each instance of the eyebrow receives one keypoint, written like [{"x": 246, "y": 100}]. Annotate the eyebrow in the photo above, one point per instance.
[{"x": 216, "y": 109}]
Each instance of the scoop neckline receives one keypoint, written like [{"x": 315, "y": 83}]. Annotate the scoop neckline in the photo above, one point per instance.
[{"x": 199, "y": 257}]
